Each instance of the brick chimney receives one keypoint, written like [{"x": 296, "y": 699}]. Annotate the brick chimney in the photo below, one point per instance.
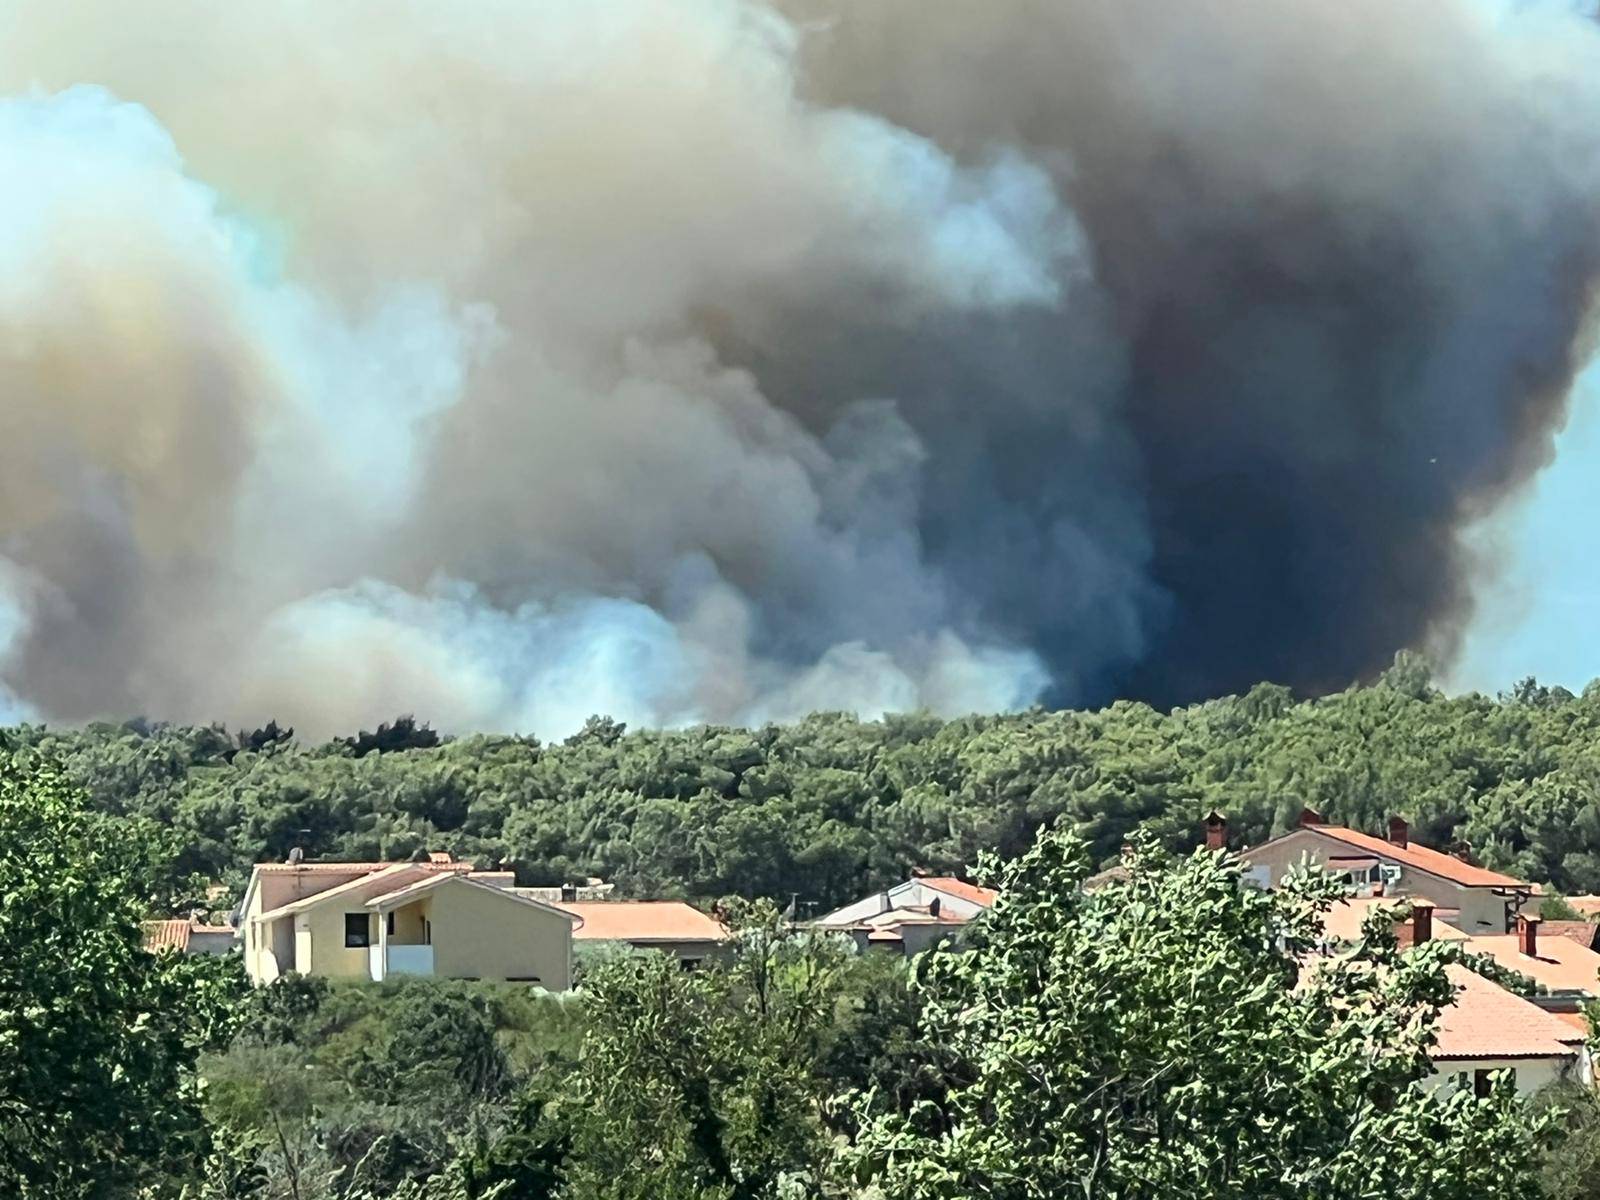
[
  {"x": 1528, "y": 935},
  {"x": 1310, "y": 816},
  {"x": 1421, "y": 923},
  {"x": 1216, "y": 831},
  {"x": 1399, "y": 832}
]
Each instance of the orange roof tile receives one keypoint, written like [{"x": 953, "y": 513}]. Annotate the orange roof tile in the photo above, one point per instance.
[
  {"x": 1446, "y": 866},
  {"x": 1486, "y": 1021},
  {"x": 961, "y": 889},
  {"x": 1575, "y": 1019},
  {"x": 1345, "y": 918},
  {"x": 166, "y": 935},
  {"x": 643, "y": 921},
  {"x": 1582, "y": 932},
  {"x": 910, "y": 914},
  {"x": 1561, "y": 964},
  {"x": 1589, "y": 905}
]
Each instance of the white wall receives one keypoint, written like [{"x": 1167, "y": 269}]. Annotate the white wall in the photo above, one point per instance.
[{"x": 1533, "y": 1074}]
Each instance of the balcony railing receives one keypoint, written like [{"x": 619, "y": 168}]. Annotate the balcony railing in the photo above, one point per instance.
[{"x": 402, "y": 960}]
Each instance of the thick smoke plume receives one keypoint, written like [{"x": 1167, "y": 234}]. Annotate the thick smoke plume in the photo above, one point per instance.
[{"x": 508, "y": 362}]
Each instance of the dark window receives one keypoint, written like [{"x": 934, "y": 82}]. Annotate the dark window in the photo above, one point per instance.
[
  {"x": 389, "y": 923},
  {"x": 357, "y": 931},
  {"x": 689, "y": 964},
  {"x": 1481, "y": 1084}
]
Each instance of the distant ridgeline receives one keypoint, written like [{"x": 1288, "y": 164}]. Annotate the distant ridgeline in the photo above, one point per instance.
[{"x": 831, "y": 808}]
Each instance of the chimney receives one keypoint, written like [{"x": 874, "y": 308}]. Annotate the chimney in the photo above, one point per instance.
[
  {"x": 440, "y": 857},
  {"x": 1462, "y": 850},
  {"x": 1421, "y": 923},
  {"x": 1310, "y": 816},
  {"x": 1216, "y": 831},
  {"x": 1528, "y": 935},
  {"x": 1399, "y": 832}
]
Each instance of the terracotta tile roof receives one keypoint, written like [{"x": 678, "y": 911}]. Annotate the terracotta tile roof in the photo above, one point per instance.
[
  {"x": 1561, "y": 965},
  {"x": 1575, "y": 1019},
  {"x": 1446, "y": 866},
  {"x": 1581, "y": 932},
  {"x": 167, "y": 935},
  {"x": 916, "y": 914},
  {"x": 343, "y": 868},
  {"x": 643, "y": 921},
  {"x": 1345, "y": 918},
  {"x": 409, "y": 887},
  {"x": 1486, "y": 1021},
  {"x": 1588, "y": 905},
  {"x": 1103, "y": 879},
  {"x": 961, "y": 889}
]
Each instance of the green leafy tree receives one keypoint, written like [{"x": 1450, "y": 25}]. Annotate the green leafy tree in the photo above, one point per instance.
[
  {"x": 1172, "y": 1035},
  {"x": 704, "y": 1083},
  {"x": 98, "y": 1038}
]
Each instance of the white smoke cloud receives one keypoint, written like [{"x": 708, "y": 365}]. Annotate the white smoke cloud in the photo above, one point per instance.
[{"x": 337, "y": 389}]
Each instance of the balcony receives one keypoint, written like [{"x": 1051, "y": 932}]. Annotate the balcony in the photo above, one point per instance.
[{"x": 384, "y": 961}]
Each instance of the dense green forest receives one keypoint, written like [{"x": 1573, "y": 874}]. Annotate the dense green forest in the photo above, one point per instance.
[{"x": 831, "y": 807}]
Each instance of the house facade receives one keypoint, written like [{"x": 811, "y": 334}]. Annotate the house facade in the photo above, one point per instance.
[
  {"x": 379, "y": 920},
  {"x": 1489, "y": 1029},
  {"x": 189, "y": 937},
  {"x": 911, "y": 916},
  {"x": 1481, "y": 901},
  {"x": 1485, "y": 1028}
]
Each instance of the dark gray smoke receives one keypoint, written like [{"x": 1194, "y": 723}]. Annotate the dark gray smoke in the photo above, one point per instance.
[{"x": 509, "y": 362}]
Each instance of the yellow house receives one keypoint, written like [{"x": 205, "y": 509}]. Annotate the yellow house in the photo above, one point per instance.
[{"x": 377, "y": 920}]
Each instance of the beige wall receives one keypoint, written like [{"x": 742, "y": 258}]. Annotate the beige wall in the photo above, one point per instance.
[
  {"x": 410, "y": 927},
  {"x": 1481, "y": 910},
  {"x": 276, "y": 888},
  {"x": 478, "y": 934},
  {"x": 329, "y": 957}
]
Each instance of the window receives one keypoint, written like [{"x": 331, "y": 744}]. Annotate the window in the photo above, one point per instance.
[
  {"x": 357, "y": 931},
  {"x": 389, "y": 923},
  {"x": 1481, "y": 1084}
]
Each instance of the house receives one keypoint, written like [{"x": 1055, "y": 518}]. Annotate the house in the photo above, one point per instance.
[
  {"x": 1344, "y": 921},
  {"x": 669, "y": 926},
  {"x": 375, "y": 920},
  {"x": 1485, "y": 901},
  {"x": 189, "y": 937},
  {"x": 910, "y": 916},
  {"x": 1582, "y": 932},
  {"x": 1489, "y": 1029},
  {"x": 1486, "y": 1028},
  {"x": 1565, "y": 968}
]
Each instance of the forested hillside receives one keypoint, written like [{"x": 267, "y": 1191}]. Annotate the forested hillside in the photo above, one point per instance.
[{"x": 832, "y": 806}]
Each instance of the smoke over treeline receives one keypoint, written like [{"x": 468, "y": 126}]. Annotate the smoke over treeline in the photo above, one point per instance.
[{"x": 723, "y": 360}]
